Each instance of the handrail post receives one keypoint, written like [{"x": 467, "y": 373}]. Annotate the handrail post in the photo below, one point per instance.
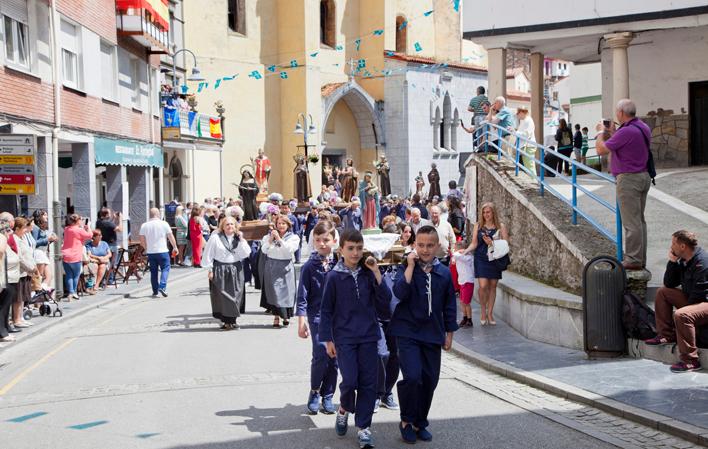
[
  {"x": 542, "y": 172},
  {"x": 618, "y": 242},
  {"x": 486, "y": 138},
  {"x": 518, "y": 157},
  {"x": 500, "y": 145},
  {"x": 575, "y": 191}
]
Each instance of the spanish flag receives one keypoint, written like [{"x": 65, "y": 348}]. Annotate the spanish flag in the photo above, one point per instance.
[{"x": 215, "y": 128}]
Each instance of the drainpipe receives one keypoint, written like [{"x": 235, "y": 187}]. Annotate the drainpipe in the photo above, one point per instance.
[{"x": 56, "y": 204}]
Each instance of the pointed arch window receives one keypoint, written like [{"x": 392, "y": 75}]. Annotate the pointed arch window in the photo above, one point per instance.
[
  {"x": 401, "y": 34},
  {"x": 328, "y": 23}
]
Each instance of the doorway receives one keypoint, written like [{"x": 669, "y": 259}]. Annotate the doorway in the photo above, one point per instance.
[{"x": 698, "y": 111}]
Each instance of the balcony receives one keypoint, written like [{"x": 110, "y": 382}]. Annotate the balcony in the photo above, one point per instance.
[
  {"x": 188, "y": 125},
  {"x": 146, "y": 22}
]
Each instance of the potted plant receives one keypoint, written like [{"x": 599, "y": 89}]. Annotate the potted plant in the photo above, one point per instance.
[{"x": 313, "y": 158}]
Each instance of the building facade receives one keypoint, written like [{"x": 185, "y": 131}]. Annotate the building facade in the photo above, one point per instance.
[{"x": 336, "y": 63}]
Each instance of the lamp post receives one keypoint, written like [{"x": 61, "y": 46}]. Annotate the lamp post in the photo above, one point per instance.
[
  {"x": 301, "y": 126},
  {"x": 196, "y": 73}
]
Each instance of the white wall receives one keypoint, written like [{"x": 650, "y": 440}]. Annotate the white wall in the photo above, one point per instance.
[{"x": 486, "y": 15}]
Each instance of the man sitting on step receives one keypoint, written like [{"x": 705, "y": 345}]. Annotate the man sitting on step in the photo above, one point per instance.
[{"x": 687, "y": 267}]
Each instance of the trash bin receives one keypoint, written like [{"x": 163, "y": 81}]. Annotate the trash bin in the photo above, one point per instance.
[{"x": 604, "y": 283}]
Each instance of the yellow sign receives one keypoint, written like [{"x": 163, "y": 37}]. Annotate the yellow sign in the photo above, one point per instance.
[
  {"x": 16, "y": 160},
  {"x": 16, "y": 189},
  {"x": 171, "y": 133}
]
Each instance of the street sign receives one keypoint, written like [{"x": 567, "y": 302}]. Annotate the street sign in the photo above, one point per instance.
[
  {"x": 16, "y": 189},
  {"x": 17, "y": 164}
]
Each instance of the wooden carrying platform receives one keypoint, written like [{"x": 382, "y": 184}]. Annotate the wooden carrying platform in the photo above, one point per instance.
[{"x": 255, "y": 229}]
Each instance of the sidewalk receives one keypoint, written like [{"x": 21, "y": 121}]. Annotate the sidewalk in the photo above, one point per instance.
[
  {"x": 637, "y": 389},
  {"x": 76, "y": 308}
]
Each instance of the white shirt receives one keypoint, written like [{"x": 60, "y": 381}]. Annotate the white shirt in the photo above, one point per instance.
[
  {"x": 446, "y": 236},
  {"x": 155, "y": 232},
  {"x": 465, "y": 267},
  {"x": 281, "y": 250},
  {"x": 422, "y": 222},
  {"x": 215, "y": 250},
  {"x": 527, "y": 129}
]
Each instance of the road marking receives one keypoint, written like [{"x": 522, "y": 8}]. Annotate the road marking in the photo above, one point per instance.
[
  {"x": 87, "y": 425},
  {"x": 146, "y": 435},
  {"x": 34, "y": 366},
  {"x": 27, "y": 417},
  {"x": 681, "y": 206}
]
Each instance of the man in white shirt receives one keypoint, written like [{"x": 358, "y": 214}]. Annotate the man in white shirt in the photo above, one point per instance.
[
  {"x": 154, "y": 235},
  {"x": 446, "y": 235},
  {"x": 417, "y": 220}
]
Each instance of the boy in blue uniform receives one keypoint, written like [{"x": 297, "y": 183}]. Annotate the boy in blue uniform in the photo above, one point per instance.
[
  {"x": 423, "y": 323},
  {"x": 323, "y": 369},
  {"x": 354, "y": 298}
]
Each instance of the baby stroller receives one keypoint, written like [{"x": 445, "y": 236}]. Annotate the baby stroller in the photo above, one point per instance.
[{"x": 48, "y": 305}]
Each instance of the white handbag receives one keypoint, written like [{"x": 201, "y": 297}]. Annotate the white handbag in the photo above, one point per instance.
[{"x": 498, "y": 249}]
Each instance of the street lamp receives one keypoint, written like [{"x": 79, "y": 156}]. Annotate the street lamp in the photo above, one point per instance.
[
  {"x": 196, "y": 73},
  {"x": 304, "y": 124}
]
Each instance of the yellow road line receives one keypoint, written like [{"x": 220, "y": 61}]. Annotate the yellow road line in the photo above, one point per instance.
[{"x": 34, "y": 366}]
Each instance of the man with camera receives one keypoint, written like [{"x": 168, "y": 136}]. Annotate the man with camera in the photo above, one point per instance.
[
  {"x": 688, "y": 268},
  {"x": 629, "y": 146}
]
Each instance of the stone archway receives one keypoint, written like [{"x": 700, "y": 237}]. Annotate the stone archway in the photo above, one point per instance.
[{"x": 362, "y": 106}]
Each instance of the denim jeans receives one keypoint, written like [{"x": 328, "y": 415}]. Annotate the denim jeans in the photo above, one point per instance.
[
  {"x": 73, "y": 271},
  {"x": 159, "y": 261}
]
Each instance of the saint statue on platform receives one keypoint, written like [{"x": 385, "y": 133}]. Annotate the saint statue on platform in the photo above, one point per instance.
[
  {"x": 262, "y": 165},
  {"x": 434, "y": 180},
  {"x": 419, "y": 184},
  {"x": 327, "y": 173},
  {"x": 349, "y": 180},
  {"x": 248, "y": 189},
  {"x": 383, "y": 170},
  {"x": 303, "y": 191},
  {"x": 369, "y": 196}
]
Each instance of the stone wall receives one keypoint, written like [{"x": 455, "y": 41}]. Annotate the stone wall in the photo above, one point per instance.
[
  {"x": 545, "y": 245},
  {"x": 669, "y": 137}
]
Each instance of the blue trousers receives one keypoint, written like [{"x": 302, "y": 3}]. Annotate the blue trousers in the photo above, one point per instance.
[
  {"x": 388, "y": 363},
  {"x": 323, "y": 368},
  {"x": 159, "y": 261},
  {"x": 73, "y": 272},
  {"x": 358, "y": 364},
  {"x": 420, "y": 366}
]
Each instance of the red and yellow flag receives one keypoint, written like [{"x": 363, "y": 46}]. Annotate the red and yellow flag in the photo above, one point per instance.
[{"x": 215, "y": 128}]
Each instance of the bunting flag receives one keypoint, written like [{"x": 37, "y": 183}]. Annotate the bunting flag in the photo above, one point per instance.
[
  {"x": 271, "y": 68},
  {"x": 284, "y": 75},
  {"x": 314, "y": 55},
  {"x": 184, "y": 88},
  {"x": 255, "y": 74},
  {"x": 403, "y": 25},
  {"x": 428, "y": 13},
  {"x": 378, "y": 32},
  {"x": 456, "y": 5},
  {"x": 339, "y": 48},
  {"x": 358, "y": 44},
  {"x": 361, "y": 63},
  {"x": 390, "y": 53},
  {"x": 202, "y": 86},
  {"x": 293, "y": 63},
  {"x": 217, "y": 84},
  {"x": 230, "y": 78},
  {"x": 418, "y": 47},
  {"x": 171, "y": 117},
  {"x": 215, "y": 128}
]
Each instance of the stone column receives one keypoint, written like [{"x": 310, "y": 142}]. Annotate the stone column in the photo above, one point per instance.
[
  {"x": 619, "y": 42},
  {"x": 139, "y": 190},
  {"x": 160, "y": 197},
  {"x": 84, "y": 172},
  {"x": 117, "y": 196},
  {"x": 537, "y": 100},
  {"x": 42, "y": 199},
  {"x": 497, "y": 73}
]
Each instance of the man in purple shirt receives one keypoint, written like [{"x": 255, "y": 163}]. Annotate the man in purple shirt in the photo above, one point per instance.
[{"x": 629, "y": 149}]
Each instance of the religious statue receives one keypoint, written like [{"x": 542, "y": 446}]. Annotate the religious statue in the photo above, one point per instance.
[
  {"x": 383, "y": 169},
  {"x": 327, "y": 173},
  {"x": 434, "y": 180},
  {"x": 303, "y": 191},
  {"x": 248, "y": 189},
  {"x": 369, "y": 196},
  {"x": 349, "y": 180},
  {"x": 262, "y": 166},
  {"x": 419, "y": 184}
]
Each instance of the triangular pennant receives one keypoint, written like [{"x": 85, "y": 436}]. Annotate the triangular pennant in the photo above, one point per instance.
[
  {"x": 293, "y": 63},
  {"x": 378, "y": 32},
  {"x": 358, "y": 44},
  {"x": 403, "y": 25},
  {"x": 314, "y": 55},
  {"x": 202, "y": 86},
  {"x": 284, "y": 75},
  {"x": 390, "y": 53},
  {"x": 217, "y": 84},
  {"x": 361, "y": 63},
  {"x": 456, "y": 5},
  {"x": 339, "y": 48},
  {"x": 230, "y": 78},
  {"x": 271, "y": 68},
  {"x": 418, "y": 47},
  {"x": 255, "y": 75},
  {"x": 427, "y": 13}
]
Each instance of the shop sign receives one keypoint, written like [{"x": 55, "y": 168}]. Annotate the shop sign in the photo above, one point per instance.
[
  {"x": 124, "y": 152},
  {"x": 17, "y": 164}
]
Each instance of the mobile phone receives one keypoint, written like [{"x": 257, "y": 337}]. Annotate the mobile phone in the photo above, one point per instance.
[
  {"x": 606, "y": 122},
  {"x": 86, "y": 220}
]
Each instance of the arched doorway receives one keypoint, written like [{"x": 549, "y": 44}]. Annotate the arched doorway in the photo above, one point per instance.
[
  {"x": 352, "y": 127},
  {"x": 176, "y": 175}
]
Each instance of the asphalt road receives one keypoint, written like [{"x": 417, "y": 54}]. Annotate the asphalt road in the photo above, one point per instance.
[{"x": 158, "y": 373}]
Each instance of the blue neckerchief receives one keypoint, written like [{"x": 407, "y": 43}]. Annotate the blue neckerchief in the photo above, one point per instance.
[
  {"x": 341, "y": 268},
  {"x": 327, "y": 262}
]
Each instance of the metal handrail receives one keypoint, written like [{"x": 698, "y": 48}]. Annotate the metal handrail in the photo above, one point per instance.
[{"x": 491, "y": 133}]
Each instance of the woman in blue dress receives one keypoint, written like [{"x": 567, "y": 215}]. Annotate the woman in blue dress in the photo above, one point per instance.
[{"x": 488, "y": 228}]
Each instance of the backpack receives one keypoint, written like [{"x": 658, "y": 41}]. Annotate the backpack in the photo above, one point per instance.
[
  {"x": 566, "y": 138},
  {"x": 638, "y": 319}
]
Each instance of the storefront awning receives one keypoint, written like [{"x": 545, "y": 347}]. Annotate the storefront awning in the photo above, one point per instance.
[{"x": 124, "y": 152}]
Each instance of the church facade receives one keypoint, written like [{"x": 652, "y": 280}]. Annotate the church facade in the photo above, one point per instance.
[{"x": 370, "y": 77}]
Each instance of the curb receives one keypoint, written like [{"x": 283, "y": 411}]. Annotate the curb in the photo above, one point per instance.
[
  {"x": 656, "y": 421},
  {"x": 135, "y": 292}
]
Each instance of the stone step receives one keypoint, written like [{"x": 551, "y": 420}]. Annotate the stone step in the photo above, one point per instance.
[{"x": 666, "y": 353}]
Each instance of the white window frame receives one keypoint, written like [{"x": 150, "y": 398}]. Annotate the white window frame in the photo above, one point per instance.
[
  {"x": 12, "y": 35},
  {"x": 75, "y": 51},
  {"x": 112, "y": 94},
  {"x": 135, "y": 95}
]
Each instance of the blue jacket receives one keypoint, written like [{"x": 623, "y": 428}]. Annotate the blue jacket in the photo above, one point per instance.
[
  {"x": 351, "y": 309},
  {"x": 413, "y": 317},
  {"x": 309, "y": 291},
  {"x": 351, "y": 218},
  {"x": 383, "y": 212},
  {"x": 401, "y": 211}
]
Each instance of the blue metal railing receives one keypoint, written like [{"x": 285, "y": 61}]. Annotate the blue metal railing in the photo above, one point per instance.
[{"x": 493, "y": 137}]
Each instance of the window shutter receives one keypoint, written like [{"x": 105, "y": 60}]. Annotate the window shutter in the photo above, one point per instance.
[{"x": 17, "y": 9}]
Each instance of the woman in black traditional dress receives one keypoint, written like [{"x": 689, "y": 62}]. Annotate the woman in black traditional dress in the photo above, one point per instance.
[{"x": 224, "y": 255}]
